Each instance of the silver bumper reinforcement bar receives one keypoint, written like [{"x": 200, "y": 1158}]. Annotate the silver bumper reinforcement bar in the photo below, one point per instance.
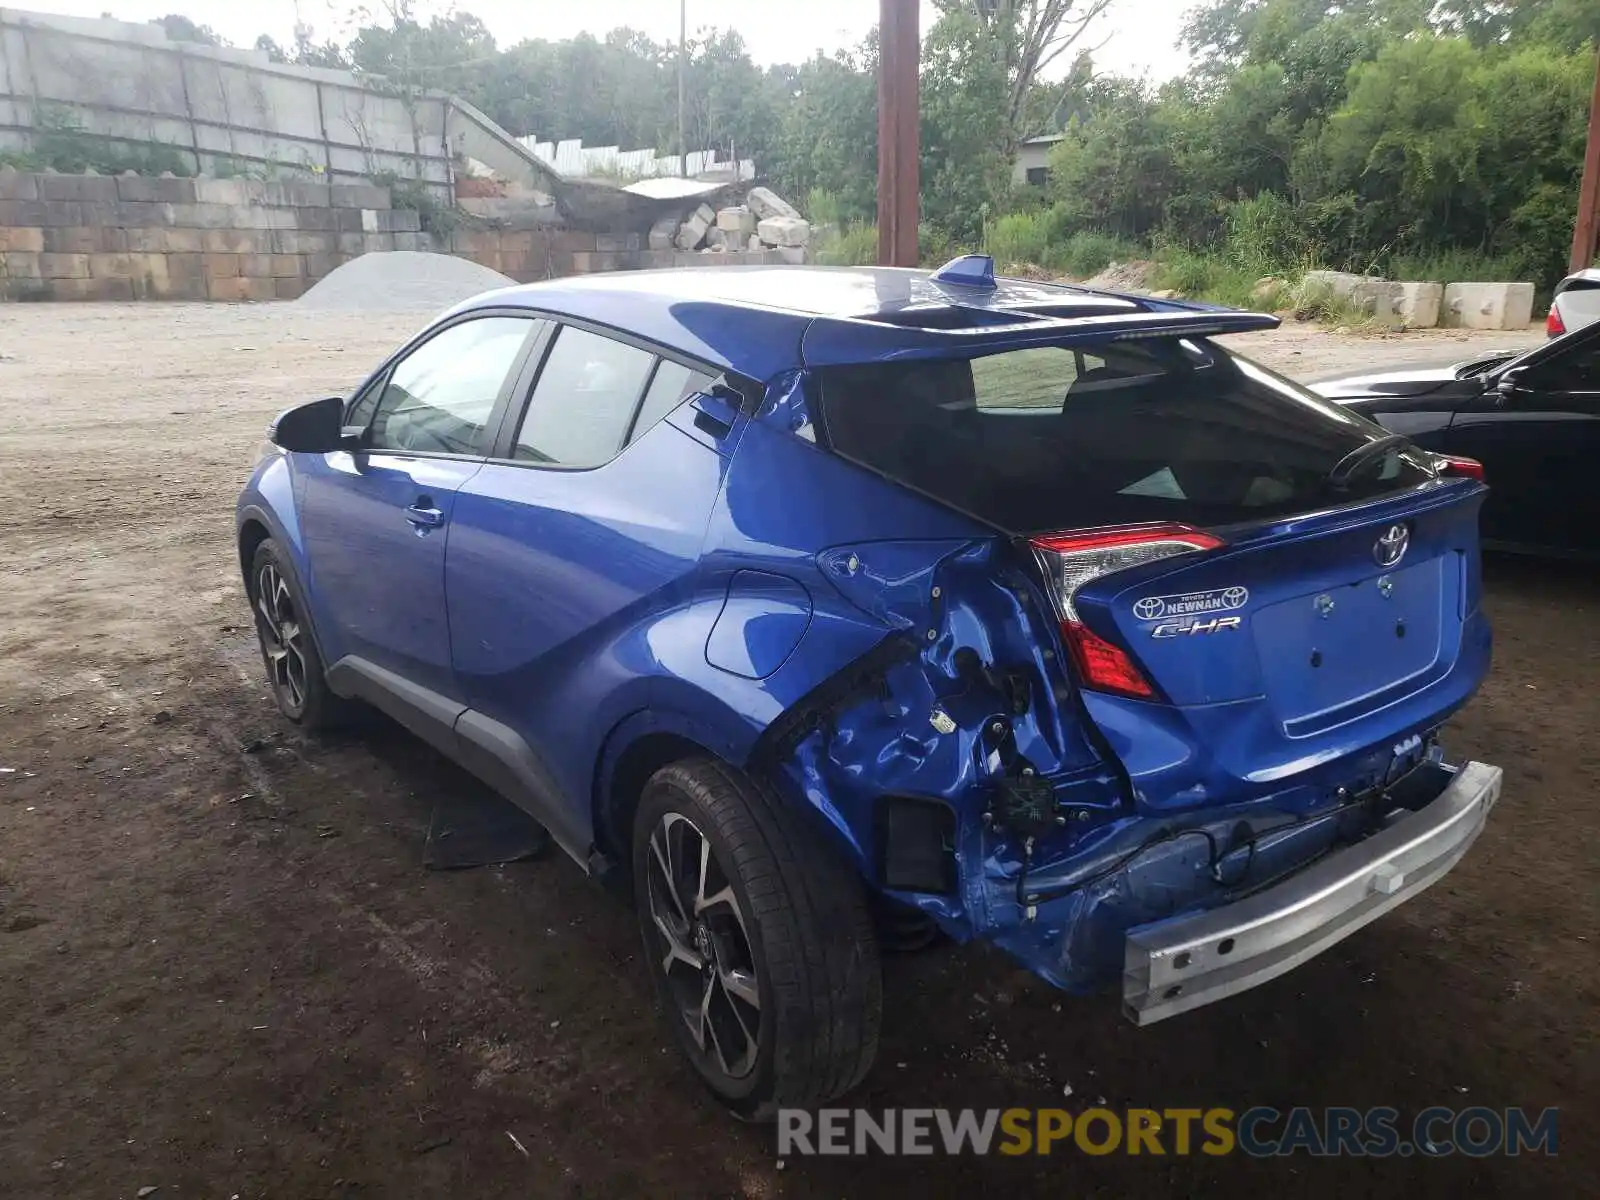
[{"x": 1172, "y": 966}]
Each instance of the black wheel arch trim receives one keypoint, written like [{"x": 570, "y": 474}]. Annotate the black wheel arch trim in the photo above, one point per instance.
[
  {"x": 286, "y": 560},
  {"x": 489, "y": 749}
]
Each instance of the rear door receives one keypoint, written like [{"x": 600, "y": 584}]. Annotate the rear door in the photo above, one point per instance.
[
  {"x": 377, "y": 520},
  {"x": 1538, "y": 438},
  {"x": 588, "y": 519}
]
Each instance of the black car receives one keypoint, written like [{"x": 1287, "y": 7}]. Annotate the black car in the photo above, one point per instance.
[{"x": 1532, "y": 420}]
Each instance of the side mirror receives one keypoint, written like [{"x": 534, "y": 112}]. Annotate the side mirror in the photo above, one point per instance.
[
  {"x": 313, "y": 428},
  {"x": 1511, "y": 383}
]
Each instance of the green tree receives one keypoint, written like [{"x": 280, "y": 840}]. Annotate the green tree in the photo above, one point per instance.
[
  {"x": 967, "y": 141},
  {"x": 1022, "y": 39},
  {"x": 181, "y": 29},
  {"x": 828, "y": 134}
]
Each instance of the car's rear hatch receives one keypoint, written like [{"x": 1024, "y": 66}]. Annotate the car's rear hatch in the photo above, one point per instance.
[{"x": 1251, "y": 581}]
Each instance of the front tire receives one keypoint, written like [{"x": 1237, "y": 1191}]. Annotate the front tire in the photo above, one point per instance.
[
  {"x": 759, "y": 939},
  {"x": 294, "y": 667}
]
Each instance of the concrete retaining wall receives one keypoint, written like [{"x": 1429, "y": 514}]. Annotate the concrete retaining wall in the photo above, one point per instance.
[
  {"x": 101, "y": 237},
  {"x": 128, "y": 82},
  {"x": 127, "y": 237}
]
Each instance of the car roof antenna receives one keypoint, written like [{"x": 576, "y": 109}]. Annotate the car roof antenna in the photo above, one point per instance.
[{"x": 970, "y": 271}]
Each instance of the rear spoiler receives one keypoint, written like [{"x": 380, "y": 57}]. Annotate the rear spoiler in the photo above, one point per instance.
[{"x": 842, "y": 341}]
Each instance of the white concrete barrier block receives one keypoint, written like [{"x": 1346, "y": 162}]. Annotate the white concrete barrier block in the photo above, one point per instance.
[
  {"x": 1488, "y": 305},
  {"x": 784, "y": 231},
  {"x": 1418, "y": 303},
  {"x": 1341, "y": 285},
  {"x": 766, "y": 203},
  {"x": 794, "y": 256},
  {"x": 738, "y": 220},
  {"x": 663, "y": 232},
  {"x": 693, "y": 231}
]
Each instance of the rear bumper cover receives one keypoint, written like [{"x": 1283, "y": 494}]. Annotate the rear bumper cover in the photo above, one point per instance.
[{"x": 1175, "y": 965}]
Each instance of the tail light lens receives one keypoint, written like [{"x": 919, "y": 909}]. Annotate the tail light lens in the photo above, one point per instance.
[
  {"x": 1071, "y": 560},
  {"x": 1553, "y": 324},
  {"x": 1469, "y": 468}
]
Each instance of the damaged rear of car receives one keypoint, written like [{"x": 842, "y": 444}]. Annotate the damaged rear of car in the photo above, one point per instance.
[
  {"x": 1158, "y": 645},
  {"x": 843, "y": 605}
]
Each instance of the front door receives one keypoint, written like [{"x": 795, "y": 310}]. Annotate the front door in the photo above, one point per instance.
[
  {"x": 1539, "y": 440},
  {"x": 377, "y": 520}
]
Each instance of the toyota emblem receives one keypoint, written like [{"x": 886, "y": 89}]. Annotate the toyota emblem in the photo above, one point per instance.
[
  {"x": 1149, "y": 608},
  {"x": 1391, "y": 547}
]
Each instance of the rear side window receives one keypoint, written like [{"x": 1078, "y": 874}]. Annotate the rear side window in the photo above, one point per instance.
[
  {"x": 583, "y": 404},
  {"x": 1112, "y": 433},
  {"x": 672, "y": 384}
]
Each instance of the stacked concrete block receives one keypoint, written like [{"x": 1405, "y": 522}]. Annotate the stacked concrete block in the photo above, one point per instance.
[
  {"x": 765, "y": 204},
  {"x": 737, "y": 222},
  {"x": 664, "y": 232},
  {"x": 130, "y": 237},
  {"x": 784, "y": 231},
  {"x": 93, "y": 237},
  {"x": 693, "y": 230}
]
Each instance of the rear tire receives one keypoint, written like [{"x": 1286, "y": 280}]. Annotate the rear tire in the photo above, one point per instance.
[
  {"x": 288, "y": 650},
  {"x": 759, "y": 939}
]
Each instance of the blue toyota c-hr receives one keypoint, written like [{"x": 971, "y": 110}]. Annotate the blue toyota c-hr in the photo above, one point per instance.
[{"x": 799, "y": 595}]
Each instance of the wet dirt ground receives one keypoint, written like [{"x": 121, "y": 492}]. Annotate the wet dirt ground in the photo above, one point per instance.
[{"x": 223, "y": 971}]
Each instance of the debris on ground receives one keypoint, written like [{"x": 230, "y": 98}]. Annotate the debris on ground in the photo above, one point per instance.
[
  {"x": 401, "y": 280},
  {"x": 1131, "y": 276},
  {"x": 765, "y": 221}
]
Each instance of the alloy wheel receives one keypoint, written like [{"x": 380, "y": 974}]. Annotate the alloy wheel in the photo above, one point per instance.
[
  {"x": 282, "y": 635},
  {"x": 703, "y": 944}
]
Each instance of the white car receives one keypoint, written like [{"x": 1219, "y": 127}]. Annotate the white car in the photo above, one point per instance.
[{"x": 1576, "y": 303}]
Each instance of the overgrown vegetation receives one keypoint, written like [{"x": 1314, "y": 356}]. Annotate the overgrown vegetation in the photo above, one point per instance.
[
  {"x": 437, "y": 219},
  {"x": 1414, "y": 139},
  {"x": 60, "y": 143}
]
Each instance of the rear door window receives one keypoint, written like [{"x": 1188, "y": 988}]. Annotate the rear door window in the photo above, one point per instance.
[
  {"x": 584, "y": 402},
  {"x": 1052, "y": 437},
  {"x": 672, "y": 384}
]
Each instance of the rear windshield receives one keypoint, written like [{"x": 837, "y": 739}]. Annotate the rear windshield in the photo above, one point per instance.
[{"x": 1106, "y": 434}]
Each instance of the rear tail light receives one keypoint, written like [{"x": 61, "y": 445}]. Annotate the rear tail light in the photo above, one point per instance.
[
  {"x": 1071, "y": 560},
  {"x": 1553, "y": 324},
  {"x": 1468, "y": 468}
]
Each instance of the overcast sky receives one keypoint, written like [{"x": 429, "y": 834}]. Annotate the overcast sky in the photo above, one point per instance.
[{"x": 1138, "y": 34}]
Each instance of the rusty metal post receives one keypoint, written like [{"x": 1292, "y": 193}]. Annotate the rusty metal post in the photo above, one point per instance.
[
  {"x": 1586, "y": 235},
  {"x": 899, "y": 141}
]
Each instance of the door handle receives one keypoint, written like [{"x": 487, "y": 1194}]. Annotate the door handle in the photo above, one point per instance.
[{"x": 424, "y": 516}]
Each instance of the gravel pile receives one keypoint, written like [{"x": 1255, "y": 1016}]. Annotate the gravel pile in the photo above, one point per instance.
[{"x": 398, "y": 280}]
